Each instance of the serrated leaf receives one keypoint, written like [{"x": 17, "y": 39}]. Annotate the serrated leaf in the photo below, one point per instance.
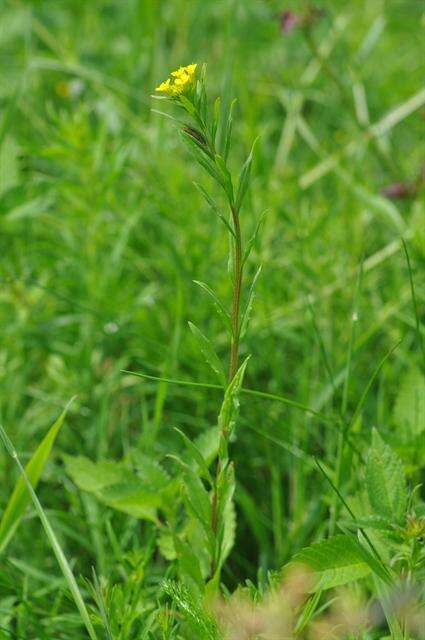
[
  {"x": 385, "y": 481},
  {"x": 409, "y": 411},
  {"x": 116, "y": 486},
  {"x": 20, "y": 497},
  {"x": 333, "y": 562},
  {"x": 208, "y": 352},
  {"x": 165, "y": 543}
]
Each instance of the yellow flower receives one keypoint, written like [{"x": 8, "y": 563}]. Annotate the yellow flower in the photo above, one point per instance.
[{"x": 179, "y": 82}]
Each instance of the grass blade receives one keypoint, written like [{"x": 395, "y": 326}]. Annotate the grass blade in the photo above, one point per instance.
[
  {"x": 19, "y": 499},
  {"x": 57, "y": 549}
]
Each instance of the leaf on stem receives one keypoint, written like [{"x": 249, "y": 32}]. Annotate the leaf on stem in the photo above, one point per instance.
[
  {"x": 244, "y": 178},
  {"x": 209, "y": 353},
  {"x": 385, "y": 481}
]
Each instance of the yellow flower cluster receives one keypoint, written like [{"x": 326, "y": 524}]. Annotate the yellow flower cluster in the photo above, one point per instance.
[{"x": 180, "y": 81}]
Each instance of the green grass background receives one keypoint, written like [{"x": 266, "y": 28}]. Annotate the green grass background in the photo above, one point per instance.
[{"x": 102, "y": 234}]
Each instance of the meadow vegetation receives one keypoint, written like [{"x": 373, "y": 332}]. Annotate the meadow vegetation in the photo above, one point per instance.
[{"x": 212, "y": 408}]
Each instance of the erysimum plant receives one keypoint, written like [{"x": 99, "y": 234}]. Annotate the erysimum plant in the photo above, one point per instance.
[{"x": 208, "y": 136}]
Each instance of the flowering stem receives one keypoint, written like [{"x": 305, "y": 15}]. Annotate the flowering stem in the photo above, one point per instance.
[
  {"x": 237, "y": 286},
  {"x": 234, "y": 358}
]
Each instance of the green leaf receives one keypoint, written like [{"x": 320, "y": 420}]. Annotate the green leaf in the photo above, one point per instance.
[
  {"x": 230, "y": 406},
  {"x": 228, "y": 132},
  {"x": 409, "y": 411},
  {"x": 333, "y": 562},
  {"x": 251, "y": 242},
  {"x": 196, "y": 457},
  {"x": 214, "y": 207},
  {"x": 208, "y": 352},
  {"x": 385, "y": 481},
  {"x": 244, "y": 179},
  {"x": 221, "y": 310},
  {"x": 116, "y": 486},
  {"x": 20, "y": 497},
  {"x": 198, "y": 498},
  {"x": 208, "y": 444},
  {"x": 247, "y": 312},
  {"x": 225, "y": 511},
  {"x": 189, "y": 566},
  {"x": 53, "y": 540},
  {"x": 226, "y": 177}
]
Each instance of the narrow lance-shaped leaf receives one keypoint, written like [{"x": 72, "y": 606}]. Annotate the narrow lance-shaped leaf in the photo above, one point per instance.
[
  {"x": 57, "y": 549},
  {"x": 214, "y": 207},
  {"x": 20, "y": 497},
  {"x": 247, "y": 312},
  {"x": 244, "y": 179},
  {"x": 228, "y": 132},
  {"x": 251, "y": 242},
  {"x": 226, "y": 177},
  {"x": 196, "y": 456},
  {"x": 208, "y": 351},
  {"x": 230, "y": 406},
  {"x": 221, "y": 310}
]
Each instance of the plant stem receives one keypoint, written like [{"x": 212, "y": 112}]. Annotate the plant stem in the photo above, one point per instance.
[
  {"x": 237, "y": 286},
  {"x": 234, "y": 359}
]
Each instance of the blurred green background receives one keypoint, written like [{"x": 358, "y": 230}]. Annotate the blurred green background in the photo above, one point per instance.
[{"x": 102, "y": 234}]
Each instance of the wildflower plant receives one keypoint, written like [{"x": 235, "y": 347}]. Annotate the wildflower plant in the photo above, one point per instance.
[{"x": 212, "y": 507}]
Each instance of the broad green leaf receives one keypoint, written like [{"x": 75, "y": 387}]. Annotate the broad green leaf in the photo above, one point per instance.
[
  {"x": 385, "y": 481},
  {"x": 409, "y": 411},
  {"x": 150, "y": 472},
  {"x": 333, "y": 562},
  {"x": 244, "y": 179},
  {"x": 117, "y": 487},
  {"x": 131, "y": 498},
  {"x": 166, "y": 546},
  {"x": 208, "y": 352},
  {"x": 94, "y": 476},
  {"x": 20, "y": 497}
]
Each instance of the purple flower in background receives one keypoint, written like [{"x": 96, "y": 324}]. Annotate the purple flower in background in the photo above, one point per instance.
[
  {"x": 289, "y": 20},
  {"x": 397, "y": 190}
]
